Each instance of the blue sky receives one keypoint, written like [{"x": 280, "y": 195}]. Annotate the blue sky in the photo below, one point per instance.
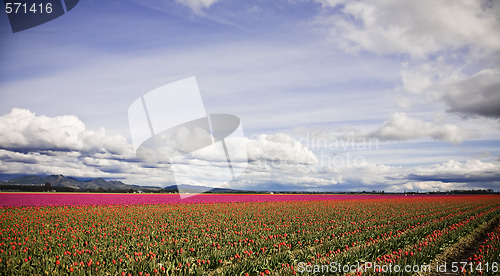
[{"x": 420, "y": 81}]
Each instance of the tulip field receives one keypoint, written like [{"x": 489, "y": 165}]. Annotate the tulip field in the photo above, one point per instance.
[{"x": 250, "y": 237}]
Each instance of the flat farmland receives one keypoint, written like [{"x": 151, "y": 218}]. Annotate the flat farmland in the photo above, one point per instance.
[{"x": 42, "y": 234}]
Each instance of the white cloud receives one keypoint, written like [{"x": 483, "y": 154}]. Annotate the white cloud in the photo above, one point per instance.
[
  {"x": 469, "y": 167},
  {"x": 280, "y": 148},
  {"x": 197, "y": 5},
  {"x": 23, "y": 130},
  {"x": 417, "y": 28},
  {"x": 401, "y": 127}
]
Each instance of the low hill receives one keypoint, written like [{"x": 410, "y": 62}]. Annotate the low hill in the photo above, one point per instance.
[{"x": 63, "y": 183}]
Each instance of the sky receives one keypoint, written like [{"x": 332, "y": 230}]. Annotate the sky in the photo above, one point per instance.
[{"x": 333, "y": 95}]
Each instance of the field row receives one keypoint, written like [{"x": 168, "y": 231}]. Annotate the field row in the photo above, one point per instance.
[
  {"x": 485, "y": 261},
  {"x": 16, "y": 199},
  {"x": 238, "y": 238}
]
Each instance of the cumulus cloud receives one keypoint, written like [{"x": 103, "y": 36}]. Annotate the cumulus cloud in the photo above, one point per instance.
[
  {"x": 401, "y": 127},
  {"x": 22, "y": 129},
  {"x": 280, "y": 148},
  {"x": 414, "y": 28}
]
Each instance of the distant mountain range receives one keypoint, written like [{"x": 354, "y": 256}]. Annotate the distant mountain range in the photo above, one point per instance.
[
  {"x": 60, "y": 182},
  {"x": 68, "y": 184}
]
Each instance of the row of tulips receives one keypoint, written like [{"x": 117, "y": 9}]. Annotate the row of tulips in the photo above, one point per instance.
[{"x": 486, "y": 259}]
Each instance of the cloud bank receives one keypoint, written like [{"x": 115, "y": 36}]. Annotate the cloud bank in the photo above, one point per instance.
[{"x": 37, "y": 144}]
